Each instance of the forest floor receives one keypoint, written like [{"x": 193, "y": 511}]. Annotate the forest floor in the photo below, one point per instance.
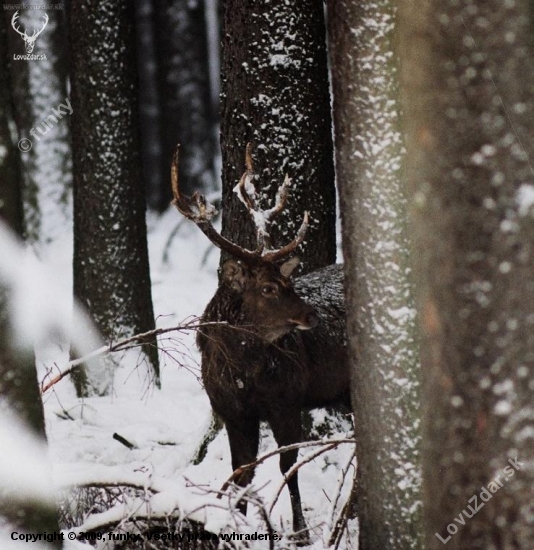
[{"x": 166, "y": 426}]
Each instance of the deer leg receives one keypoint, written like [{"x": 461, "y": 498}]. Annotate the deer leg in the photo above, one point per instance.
[
  {"x": 287, "y": 430},
  {"x": 244, "y": 438}
]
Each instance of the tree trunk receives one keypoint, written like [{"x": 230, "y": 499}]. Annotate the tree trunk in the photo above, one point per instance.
[
  {"x": 468, "y": 79},
  {"x": 39, "y": 88},
  {"x": 155, "y": 175},
  {"x": 275, "y": 95},
  {"x": 185, "y": 95},
  {"x": 111, "y": 272},
  {"x": 10, "y": 167},
  {"x": 381, "y": 313}
]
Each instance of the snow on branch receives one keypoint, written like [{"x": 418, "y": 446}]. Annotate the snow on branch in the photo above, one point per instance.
[{"x": 180, "y": 498}]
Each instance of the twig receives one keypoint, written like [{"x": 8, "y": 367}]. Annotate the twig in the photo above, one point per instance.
[
  {"x": 238, "y": 471},
  {"x": 173, "y": 233},
  {"x": 344, "y": 472},
  {"x": 258, "y": 502},
  {"x": 125, "y": 442},
  {"x": 291, "y": 472},
  {"x": 121, "y": 345},
  {"x": 343, "y": 517}
]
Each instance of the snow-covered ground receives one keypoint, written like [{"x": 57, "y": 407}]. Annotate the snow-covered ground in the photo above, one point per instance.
[{"x": 167, "y": 425}]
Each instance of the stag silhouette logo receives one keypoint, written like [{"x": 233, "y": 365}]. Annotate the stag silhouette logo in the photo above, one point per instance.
[{"x": 29, "y": 41}]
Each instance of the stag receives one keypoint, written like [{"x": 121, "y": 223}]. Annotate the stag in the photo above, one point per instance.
[
  {"x": 29, "y": 41},
  {"x": 272, "y": 348}
]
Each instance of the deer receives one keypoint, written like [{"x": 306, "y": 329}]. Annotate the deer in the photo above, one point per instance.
[
  {"x": 270, "y": 347},
  {"x": 29, "y": 41}
]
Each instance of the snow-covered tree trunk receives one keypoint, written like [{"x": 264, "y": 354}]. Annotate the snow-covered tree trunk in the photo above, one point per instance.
[
  {"x": 111, "y": 272},
  {"x": 10, "y": 167},
  {"x": 39, "y": 88},
  {"x": 468, "y": 79},
  {"x": 381, "y": 313},
  {"x": 275, "y": 95},
  {"x": 182, "y": 53}
]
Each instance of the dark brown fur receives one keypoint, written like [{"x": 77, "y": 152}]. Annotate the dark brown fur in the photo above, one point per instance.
[{"x": 257, "y": 366}]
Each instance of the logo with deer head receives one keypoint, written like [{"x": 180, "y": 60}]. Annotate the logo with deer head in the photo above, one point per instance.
[{"x": 29, "y": 41}]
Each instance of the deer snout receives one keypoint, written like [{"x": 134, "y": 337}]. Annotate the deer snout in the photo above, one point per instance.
[{"x": 309, "y": 321}]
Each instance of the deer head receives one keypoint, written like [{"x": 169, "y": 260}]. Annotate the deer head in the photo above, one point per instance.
[
  {"x": 29, "y": 41},
  {"x": 268, "y": 304}
]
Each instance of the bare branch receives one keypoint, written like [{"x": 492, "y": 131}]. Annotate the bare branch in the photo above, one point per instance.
[
  {"x": 122, "y": 345},
  {"x": 329, "y": 442},
  {"x": 291, "y": 472},
  {"x": 339, "y": 523}
]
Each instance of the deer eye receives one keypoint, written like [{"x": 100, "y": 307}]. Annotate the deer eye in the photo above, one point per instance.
[{"x": 269, "y": 290}]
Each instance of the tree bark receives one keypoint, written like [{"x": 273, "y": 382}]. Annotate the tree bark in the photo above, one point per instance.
[
  {"x": 275, "y": 95},
  {"x": 381, "y": 312},
  {"x": 111, "y": 271},
  {"x": 468, "y": 78}
]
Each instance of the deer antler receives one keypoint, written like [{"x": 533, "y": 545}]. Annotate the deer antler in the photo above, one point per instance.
[
  {"x": 197, "y": 209},
  {"x": 247, "y": 193},
  {"x": 37, "y": 33},
  {"x": 29, "y": 41},
  {"x": 14, "y": 22}
]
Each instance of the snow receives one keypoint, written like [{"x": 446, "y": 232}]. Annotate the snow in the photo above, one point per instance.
[
  {"x": 22, "y": 470},
  {"x": 525, "y": 198},
  {"x": 502, "y": 408},
  {"x": 165, "y": 427}
]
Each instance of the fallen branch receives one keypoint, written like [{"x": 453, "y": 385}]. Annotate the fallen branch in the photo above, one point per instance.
[{"x": 124, "y": 441}]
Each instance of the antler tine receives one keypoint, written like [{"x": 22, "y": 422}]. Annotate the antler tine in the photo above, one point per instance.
[
  {"x": 37, "y": 33},
  {"x": 281, "y": 200},
  {"x": 249, "y": 200},
  {"x": 174, "y": 176},
  {"x": 263, "y": 218},
  {"x": 247, "y": 177},
  {"x": 249, "y": 163},
  {"x": 198, "y": 210},
  {"x": 14, "y": 22},
  {"x": 182, "y": 203},
  {"x": 276, "y": 255}
]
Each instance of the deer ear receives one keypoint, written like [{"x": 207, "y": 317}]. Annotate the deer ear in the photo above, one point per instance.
[
  {"x": 235, "y": 275},
  {"x": 288, "y": 267}
]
